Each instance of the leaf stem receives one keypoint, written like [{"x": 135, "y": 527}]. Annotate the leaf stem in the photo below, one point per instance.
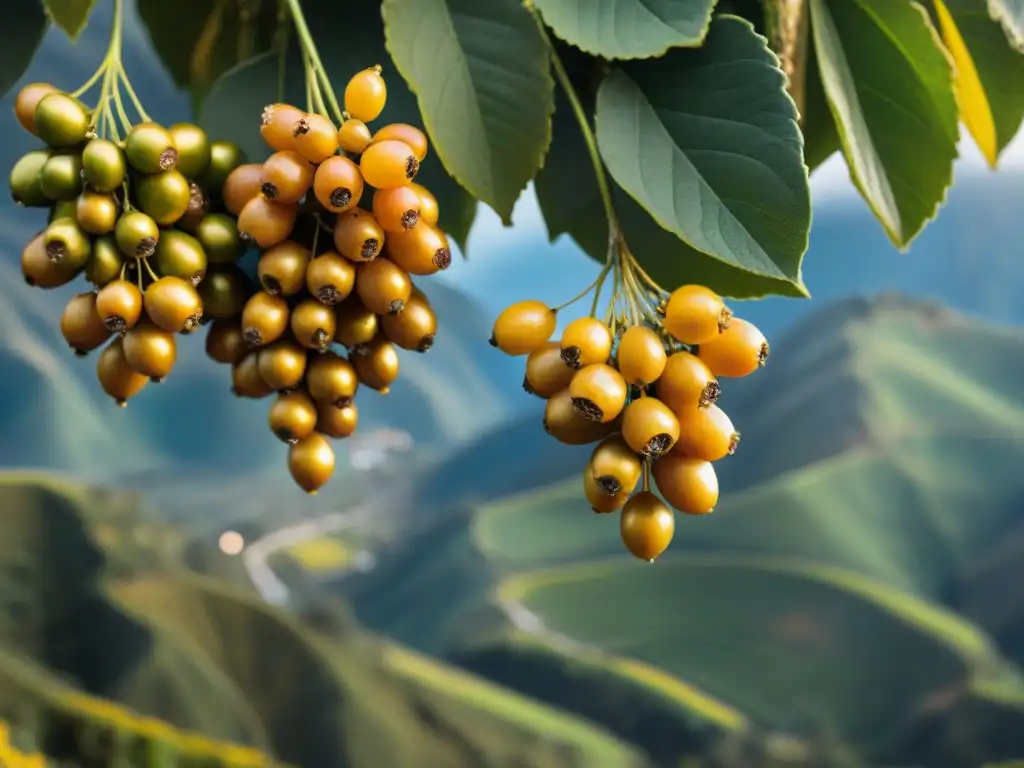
[{"x": 316, "y": 70}]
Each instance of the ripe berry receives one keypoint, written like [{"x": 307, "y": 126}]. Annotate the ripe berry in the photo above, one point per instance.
[
  {"x": 338, "y": 423},
  {"x": 337, "y": 184},
  {"x": 410, "y": 135},
  {"x": 61, "y": 121},
  {"x": 292, "y": 417},
  {"x": 266, "y": 223},
  {"x": 137, "y": 235},
  {"x": 178, "y": 254},
  {"x": 193, "y": 147},
  {"x": 104, "y": 166},
  {"x": 695, "y": 314},
  {"x": 330, "y": 277},
  {"x": 150, "y": 351},
  {"x": 311, "y": 462},
  {"x": 423, "y": 250},
  {"x": 277, "y": 126},
  {"x": 690, "y": 485},
  {"x": 687, "y": 384},
  {"x": 383, "y": 286},
  {"x": 246, "y": 380},
  {"x": 377, "y": 364},
  {"x": 429, "y": 210},
  {"x": 647, "y": 526},
  {"x": 265, "y": 318},
  {"x": 164, "y": 197},
  {"x": 564, "y": 423},
  {"x": 600, "y": 502},
  {"x": 242, "y": 185},
  {"x": 27, "y": 100},
  {"x": 546, "y": 374},
  {"x": 598, "y": 392},
  {"x": 282, "y": 364},
  {"x": 26, "y": 179},
  {"x": 413, "y": 328},
  {"x": 523, "y": 327},
  {"x": 641, "y": 357},
  {"x": 66, "y": 243},
  {"x": 282, "y": 268},
  {"x": 357, "y": 235},
  {"x": 357, "y": 325},
  {"x": 388, "y": 164},
  {"x": 81, "y": 325},
  {"x": 615, "y": 466},
  {"x": 116, "y": 377},
  {"x": 173, "y": 304},
  {"x": 649, "y": 427},
  {"x": 40, "y": 271},
  {"x": 313, "y": 324},
  {"x": 286, "y": 177},
  {"x": 96, "y": 212},
  {"x": 150, "y": 148},
  {"x": 224, "y": 342},
  {"x": 586, "y": 341},
  {"x": 739, "y": 351},
  {"x": 396, "y": 209},
  {"x": 331, "y": 380},
  {"x": 707, "y": 434},
  {"x": 354, "y": 136},
  {"x": 366, "y": 94},
  {"x": 316, "y": 138},
  {"x": 119, "y": 304}
]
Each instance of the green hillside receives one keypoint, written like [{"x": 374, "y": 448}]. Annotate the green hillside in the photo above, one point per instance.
[
  {"x": 878, "y": 473},
  {"x": 99, "y": 632}
]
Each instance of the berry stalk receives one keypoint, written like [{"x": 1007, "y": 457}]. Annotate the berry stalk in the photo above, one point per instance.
[{"x": 320, "y": 92}]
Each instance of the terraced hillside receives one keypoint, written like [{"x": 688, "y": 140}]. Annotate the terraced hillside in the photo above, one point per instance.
[
  {"x": 874, "y": 497},
  {"x": 103, "y": 635}
]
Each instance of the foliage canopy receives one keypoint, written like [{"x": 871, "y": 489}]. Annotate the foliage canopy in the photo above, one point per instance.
[{"x": 706, "y": 116}]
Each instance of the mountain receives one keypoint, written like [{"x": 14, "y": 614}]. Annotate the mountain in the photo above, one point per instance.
[
  {"x": 104, "y": 633},
  {"x": 873, "y": 504}
]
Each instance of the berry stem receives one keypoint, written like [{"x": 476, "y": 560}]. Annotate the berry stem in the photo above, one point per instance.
[
  {"x": 584, "y": 123},
  {"x": 598, "y": 281},
  {"x": 315, "y": 67}
]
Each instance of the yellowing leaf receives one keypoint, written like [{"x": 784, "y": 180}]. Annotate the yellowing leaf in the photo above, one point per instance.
[{"x": 975, "y": 110}]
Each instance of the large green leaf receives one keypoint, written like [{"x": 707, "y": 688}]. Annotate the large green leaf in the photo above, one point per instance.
[
  {"x": 237, "y": 98},
  {"x": 69, "y": 15},
  {"x": 821, "y": 139},
  {"x": 890, "y": 86},
  {"x": 480, "y": 71},
  {"x": 26, "y": 25},
  {"x": 199, "y": 40},
  {"x": 567, "y": 193},
  {"x": 628, "y": 29},
  {"x": 988, "y": 73},
  {"x": 706, "y": 140},
  {"x": 1010, "y": 13}
]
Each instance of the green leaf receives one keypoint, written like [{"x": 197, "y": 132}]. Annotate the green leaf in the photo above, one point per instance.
[
  {"x": 890, "y": 87},
  {"x": 706, "y": 140},
  {"x": 25, "y": 29},
  {"x": 199, "y": 40},
  {"x": 988, "y": 73},
  {"x": 821, "y": 137},
  {"x": 480, "y": 71},
  {"x": 628, "y": 29},
  {"x": 1010, "y": 13},
  {"x": 69, "y": 15},
  {"x": 236, "y": 100},
  {"x": 567, "y": 193}
]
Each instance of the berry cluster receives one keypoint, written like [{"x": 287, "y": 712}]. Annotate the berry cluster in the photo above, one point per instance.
[
  {"x": 645, "y": 389},
  {"x": 341, "y": 228},
  {"x": 139, "y": 218}
]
